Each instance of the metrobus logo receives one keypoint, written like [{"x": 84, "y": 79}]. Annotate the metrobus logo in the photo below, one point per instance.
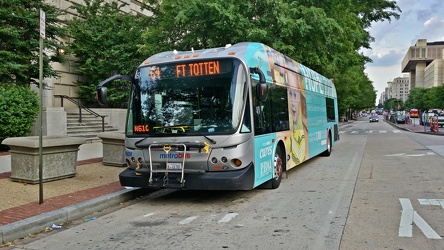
[{"x": 174, "y": 156}]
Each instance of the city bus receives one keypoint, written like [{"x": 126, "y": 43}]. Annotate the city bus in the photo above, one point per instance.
[{"x": 228, "y": 118}]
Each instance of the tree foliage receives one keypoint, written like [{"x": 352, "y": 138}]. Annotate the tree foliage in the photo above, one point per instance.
[
  {"x": 323, "y": 35},
  {"x": 18, "y": 110},
  {"x": 105, "y": 43},
  {"x": 19, "y": 40},
  {"x": 425, "y": 99}
]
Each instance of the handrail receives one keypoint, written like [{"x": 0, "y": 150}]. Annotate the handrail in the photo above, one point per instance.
[{"x": 81, "y": 106}]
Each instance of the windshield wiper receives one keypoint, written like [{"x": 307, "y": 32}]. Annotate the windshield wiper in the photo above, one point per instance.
[{"x": 208, "y": 138}]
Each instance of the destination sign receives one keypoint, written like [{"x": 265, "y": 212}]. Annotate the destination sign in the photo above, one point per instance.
[
  {"x": 198, "y": 69},
  {"x": 186, "y": 69}
]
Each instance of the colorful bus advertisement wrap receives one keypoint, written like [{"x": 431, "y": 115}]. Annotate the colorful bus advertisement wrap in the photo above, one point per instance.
[{"x": 228, "y": 118}]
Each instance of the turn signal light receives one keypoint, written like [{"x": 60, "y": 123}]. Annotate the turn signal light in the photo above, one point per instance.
[{"x": 237, "y": 162}]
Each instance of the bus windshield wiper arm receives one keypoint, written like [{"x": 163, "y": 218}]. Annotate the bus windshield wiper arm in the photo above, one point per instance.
[{"x": 208, "y": 138}]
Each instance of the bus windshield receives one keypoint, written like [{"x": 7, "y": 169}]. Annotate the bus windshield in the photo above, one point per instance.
[{"x": 195, "y": 97}]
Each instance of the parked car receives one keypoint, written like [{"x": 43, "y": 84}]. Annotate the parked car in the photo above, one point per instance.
[
  {"x": 400, "y": 117},
  {"x": 374, "y": 118}
]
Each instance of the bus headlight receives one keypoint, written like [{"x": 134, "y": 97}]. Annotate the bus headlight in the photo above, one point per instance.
[{"x": 224, "y": 159}]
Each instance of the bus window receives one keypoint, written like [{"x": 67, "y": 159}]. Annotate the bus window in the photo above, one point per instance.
[
  {"x": 262, "y": 116},
  {"x": 279, "y": 107},
  {"x": 246, "y": 124},
  {"x": 330, "y": 105}
]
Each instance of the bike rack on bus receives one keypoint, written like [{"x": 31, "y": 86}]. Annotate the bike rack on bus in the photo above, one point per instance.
[{"x": 167, "y": 149}]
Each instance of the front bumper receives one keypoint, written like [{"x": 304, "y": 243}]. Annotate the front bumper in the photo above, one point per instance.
[{"x": 225, "y": 180}]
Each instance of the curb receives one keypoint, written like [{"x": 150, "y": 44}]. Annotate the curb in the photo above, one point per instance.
[
  {"x": 418, "y": 132},
  {"x": 38, "y": 223}
]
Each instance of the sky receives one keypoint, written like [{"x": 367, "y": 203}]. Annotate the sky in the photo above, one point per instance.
[{"x": 419, "y": 19}]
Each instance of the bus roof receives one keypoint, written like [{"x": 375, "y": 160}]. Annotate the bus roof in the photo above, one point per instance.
[{"x": 270, "y": 61}]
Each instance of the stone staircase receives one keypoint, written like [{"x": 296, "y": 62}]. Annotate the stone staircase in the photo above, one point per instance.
[{"x": 89, "y": 127}]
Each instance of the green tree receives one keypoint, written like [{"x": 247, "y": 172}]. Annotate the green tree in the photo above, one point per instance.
[
  {"x": 19, "y": 40},
  {"x": 105, "y": 43},
  {"x": 323, "y": 35},
  {"x": 417, "y": 99}
]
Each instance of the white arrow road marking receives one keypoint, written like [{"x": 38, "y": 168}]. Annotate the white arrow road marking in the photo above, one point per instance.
[
  {"x": 408, "y": 217},
  {"x": 228, "y": 217},
  {"x": 396, "y": 131}
]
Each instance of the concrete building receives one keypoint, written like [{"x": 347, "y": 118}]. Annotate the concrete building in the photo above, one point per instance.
[
  {"x": 65, "y": 84},
  {"x": 424, "y": 62},
  {"x": 58, "y": 112},
  {"x": 399, "y": 88}
]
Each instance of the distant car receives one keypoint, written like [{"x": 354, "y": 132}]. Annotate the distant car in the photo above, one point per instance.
[
  {"x": 374, "y": 118},
  {"x": 400, "y": 118}
]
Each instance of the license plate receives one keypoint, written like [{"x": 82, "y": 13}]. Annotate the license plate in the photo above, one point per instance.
[{"x": 174, "y": 166}]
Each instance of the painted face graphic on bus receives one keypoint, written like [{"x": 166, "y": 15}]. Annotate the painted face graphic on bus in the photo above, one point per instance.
[
  {"x": 295, "y": 92},
  {"x": 296, "y": 98},
  {"x": 294, "y": 95}
]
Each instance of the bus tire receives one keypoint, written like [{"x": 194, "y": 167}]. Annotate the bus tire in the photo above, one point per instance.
[
  {"x": 279, "y": 167},
  {"x": 327, "y": 152}
]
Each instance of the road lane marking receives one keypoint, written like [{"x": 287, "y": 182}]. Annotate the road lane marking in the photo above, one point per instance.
[
  {"x": 188, "y": 220},
  {"x": 228, "y": 217},
  {"x": 410, "y": 216},
  {"x": 401, "y": 154},
  {"x": 433, "y": 202},
  {"x": 411, "y": 155}
]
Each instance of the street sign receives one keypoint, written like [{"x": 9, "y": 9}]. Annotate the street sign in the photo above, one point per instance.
[{"x": 42, "y": 24}]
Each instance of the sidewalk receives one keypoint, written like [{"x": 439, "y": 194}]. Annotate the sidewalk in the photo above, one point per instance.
[
  {"x": 94, "y": 188},
  {"x": 416, "y": 128}
]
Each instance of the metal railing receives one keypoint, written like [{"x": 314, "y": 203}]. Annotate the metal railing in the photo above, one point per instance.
[{"x": 81, "y": 106}]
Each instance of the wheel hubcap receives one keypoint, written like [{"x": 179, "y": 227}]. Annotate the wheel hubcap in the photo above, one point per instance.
[{"x": 278, "y": 166}]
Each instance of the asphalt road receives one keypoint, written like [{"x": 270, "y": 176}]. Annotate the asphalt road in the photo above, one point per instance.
[{"x": 380, "y": 189}]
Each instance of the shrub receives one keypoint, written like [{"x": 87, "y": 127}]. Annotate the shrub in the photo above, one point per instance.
[{"x": 18, "y": 111}]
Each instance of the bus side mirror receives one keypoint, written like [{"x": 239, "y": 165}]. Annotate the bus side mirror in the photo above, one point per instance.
[
  {"x": 262, "y": 91},
  {"x": 262, "y": 86},
  {"x": 101, "y": 95},
  {"x": 101, "y": 89}
]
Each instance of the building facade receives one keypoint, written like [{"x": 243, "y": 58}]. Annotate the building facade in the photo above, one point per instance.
[
  {"x": 65, "y": 83},
  {"x": 399, "y": 88},
  {"x": 424, "y": 63}
]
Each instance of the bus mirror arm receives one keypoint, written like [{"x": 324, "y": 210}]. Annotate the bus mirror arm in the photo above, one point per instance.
[
  {"x": 258, "y": 71},
  {"x": 114, "y": 77},
  {"x": 101, "y": 95}
]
